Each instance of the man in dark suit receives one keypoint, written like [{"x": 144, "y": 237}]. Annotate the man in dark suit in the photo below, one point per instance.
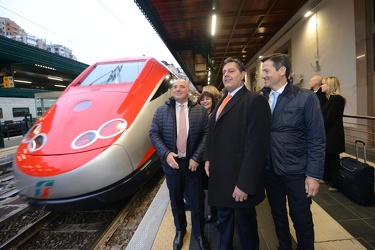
[
  {"x": 297, "y": 149},
  {"x": 235, "y": 154},
  {"x": 181, "y": 161}
]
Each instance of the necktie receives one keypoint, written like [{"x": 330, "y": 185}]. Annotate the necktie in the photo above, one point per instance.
[
  {"x": 225, "y": 101},
  {"x": 275, "y": 96},
  {"x": 182, "y": 131}
]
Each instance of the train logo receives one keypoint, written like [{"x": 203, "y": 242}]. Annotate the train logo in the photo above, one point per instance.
[
  {"x": 42, "y": 189},
  {"x": 94, "y": 142}
]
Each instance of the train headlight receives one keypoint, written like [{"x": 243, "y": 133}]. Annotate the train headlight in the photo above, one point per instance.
[
  {"x": 33, "y": 131},
  {"x": 85, "y": 139},
  {"x": 112, "y": 128},
  {"x": 37, "y": 142},
  {"x": 107, "y": 130}
]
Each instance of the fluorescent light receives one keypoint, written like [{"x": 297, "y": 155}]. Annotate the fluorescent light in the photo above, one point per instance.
[
  {"x": 360, "y": 56},
  {"x": 213, "y": 27},
  {"x": 60, "y": 86},
  {"x": 56, "y": 78},
  {"x": 308, "y": 14},
  {"x": 22, "y": 81}
]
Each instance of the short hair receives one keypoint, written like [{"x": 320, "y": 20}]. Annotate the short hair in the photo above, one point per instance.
[
  {"x": 279, "y": 60},
  {"x": 208, "y": 94},
  {"x": 240, "y": 66}
]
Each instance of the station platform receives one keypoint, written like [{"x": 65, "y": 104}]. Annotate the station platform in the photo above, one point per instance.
[{"x": 339, "y": 224}]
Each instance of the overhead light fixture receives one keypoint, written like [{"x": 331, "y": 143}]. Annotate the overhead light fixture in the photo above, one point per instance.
[
  {"x": 361, "y": 56},
  {"x": 308, "y": 14},
  {"x": 21, "y": 81},
  {"x": 56, "y": 78},
  {"x": 60, "y": 86},
  {"x": 42, "y": 66},
  {"x": 260, "y": 57},
  {"x": 213, "y": 27}
]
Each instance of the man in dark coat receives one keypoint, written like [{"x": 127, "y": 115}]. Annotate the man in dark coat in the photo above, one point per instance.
[
  {"x": 235, "y": 154},
  {"x": 297, "y": 150},
  {"x": 181, "y": 165}
]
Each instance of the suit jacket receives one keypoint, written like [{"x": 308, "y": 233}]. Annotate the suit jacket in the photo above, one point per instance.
[
  {"x": 333, "y": 110},
  {"x": 297, "y": 134},
  {"x": 237, "y": 146},
  {"x": 163, "y": 132}
]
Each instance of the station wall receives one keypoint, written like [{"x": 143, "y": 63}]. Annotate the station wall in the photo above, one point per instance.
[{"x": 328, "y": 39}]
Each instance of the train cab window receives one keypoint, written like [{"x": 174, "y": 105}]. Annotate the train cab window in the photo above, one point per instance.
[
  {"x": 113, "y": 73},
  {"x": 1, "y": 113},
  {"x": 20, "y": 112},
  {"x": 164, "y": 86}
]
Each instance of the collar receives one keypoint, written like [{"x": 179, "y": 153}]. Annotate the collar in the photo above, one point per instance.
[
  {"x": 178, "y": 104},
  {"x": 280, "y": 90},
  {"x": 235, "y": 91}
]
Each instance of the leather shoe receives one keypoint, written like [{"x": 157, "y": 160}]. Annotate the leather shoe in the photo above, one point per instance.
[
  {"x": 178, "y": 240},
  {"x": 203, "y": 242},
  {"x": 210, "y": 218}
]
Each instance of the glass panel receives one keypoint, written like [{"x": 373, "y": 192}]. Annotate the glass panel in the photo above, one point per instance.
[
  {"x": 113, "y": 73},
  {"x": 20, "y": 112}
]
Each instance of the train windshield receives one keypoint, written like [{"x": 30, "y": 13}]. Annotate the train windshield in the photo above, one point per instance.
[{"x": 113, "y": 73}]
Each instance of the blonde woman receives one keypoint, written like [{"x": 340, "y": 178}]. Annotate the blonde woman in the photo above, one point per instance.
[
  {"x": 333, "y": 111},
  {"x": 213, "y": 90}
]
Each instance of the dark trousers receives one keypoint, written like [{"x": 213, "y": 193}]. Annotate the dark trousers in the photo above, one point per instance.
[
  {"x": 293, "y": 187},
  {"x": 332, "y": 168},
  {"x": 191, "y": 182},
  {"x": 247, "y": 227}
]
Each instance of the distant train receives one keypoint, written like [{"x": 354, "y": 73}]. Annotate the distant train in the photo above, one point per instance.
[
  {"x": 12, "y": 115},
  {"x": 92, "y": 146},
  {"x": 14, "y": 108}
]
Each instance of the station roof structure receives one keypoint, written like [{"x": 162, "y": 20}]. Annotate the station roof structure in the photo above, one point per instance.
[
  {"x": 36, "y": 68},
  {"x": 243, "y": 28}
]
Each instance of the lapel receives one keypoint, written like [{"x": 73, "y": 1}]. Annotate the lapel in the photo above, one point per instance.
[{"x": 232, "y": 102}]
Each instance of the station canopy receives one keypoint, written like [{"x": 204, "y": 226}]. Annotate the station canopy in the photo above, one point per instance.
[{"x": 243, "y": 29}]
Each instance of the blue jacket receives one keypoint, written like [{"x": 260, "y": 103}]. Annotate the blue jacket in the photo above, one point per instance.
[
  {"x": 163, "y": 132},
  {"x": 297, "y": 134}
]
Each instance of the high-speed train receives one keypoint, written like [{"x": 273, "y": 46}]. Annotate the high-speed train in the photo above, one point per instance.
[{"x": 92, "y": 147}]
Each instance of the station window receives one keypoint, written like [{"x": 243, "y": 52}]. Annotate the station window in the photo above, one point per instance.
[{"x": 20, "y": 112}]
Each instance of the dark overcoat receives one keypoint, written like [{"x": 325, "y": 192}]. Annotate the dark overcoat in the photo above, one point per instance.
[
  {"x": 333, "y": 111},
  {"x": 237, "y": 146}
]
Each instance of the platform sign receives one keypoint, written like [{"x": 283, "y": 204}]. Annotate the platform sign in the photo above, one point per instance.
[{"x": 8, "y": 82}]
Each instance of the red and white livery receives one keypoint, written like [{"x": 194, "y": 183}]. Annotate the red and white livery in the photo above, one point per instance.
[{"x": 92, "y": 146}]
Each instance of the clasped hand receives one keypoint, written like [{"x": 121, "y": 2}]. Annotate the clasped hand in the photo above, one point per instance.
[{"x": 193, "y": 165}]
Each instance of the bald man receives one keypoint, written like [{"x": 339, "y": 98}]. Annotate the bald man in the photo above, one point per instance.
[
  {"x": 181, "y": 161},
  {"x": 315, "y": 85}
]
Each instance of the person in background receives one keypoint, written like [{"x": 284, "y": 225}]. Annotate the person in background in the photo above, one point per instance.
[
  {"x": 296, "y": 157},
  {"x": 333, "y": 111},
  {"x": 235, "y": 154},
  {"x": 208, "y": 101},
  {"x": 178, "y": 133},
  {"x": 195, "y": 95},
  {"x": 213, "y": 90},
  {"x": 315, "y": 85}
]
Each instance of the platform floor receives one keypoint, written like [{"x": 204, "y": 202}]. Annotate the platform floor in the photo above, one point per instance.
[{"x": 339, "y": 224}]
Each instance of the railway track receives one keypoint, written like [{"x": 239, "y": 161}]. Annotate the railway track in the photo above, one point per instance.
[{"x": 110, "y": 227}]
